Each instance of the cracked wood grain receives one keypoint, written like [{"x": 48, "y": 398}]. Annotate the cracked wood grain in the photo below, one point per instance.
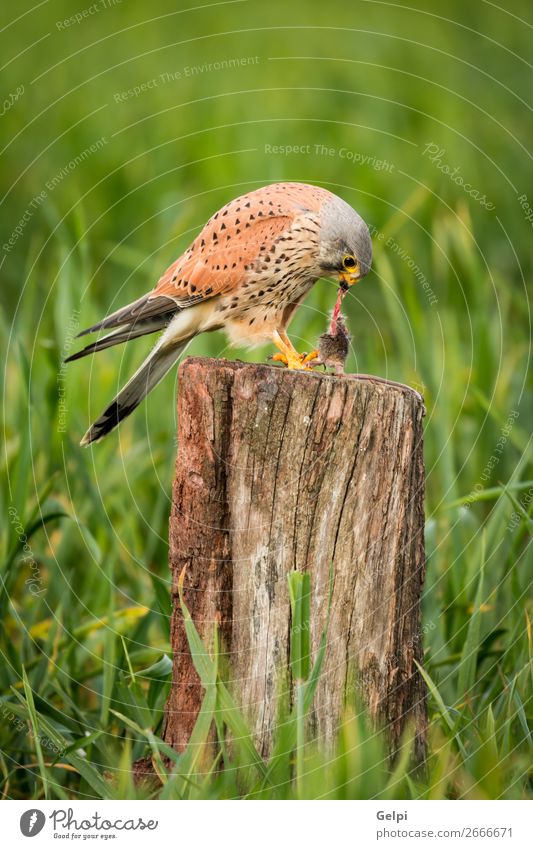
[{"x": 280, "y": 470}]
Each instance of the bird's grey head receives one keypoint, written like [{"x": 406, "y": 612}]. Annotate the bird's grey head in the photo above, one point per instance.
[{"x": 345, "y": 243}]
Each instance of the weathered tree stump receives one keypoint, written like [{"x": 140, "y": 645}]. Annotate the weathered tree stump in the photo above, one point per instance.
[{"x": 280, "y": 470}]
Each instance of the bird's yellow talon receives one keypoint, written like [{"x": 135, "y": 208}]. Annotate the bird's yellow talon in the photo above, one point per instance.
[
  {"x": 297, "y": 362},
  {"x": 307, "y": 358},
  {"x": 289, "y": 355},
  {"x": 294, "y": 361}
]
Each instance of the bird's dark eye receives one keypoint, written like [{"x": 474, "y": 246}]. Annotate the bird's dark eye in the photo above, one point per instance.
[{"x": 349, "y": 262}]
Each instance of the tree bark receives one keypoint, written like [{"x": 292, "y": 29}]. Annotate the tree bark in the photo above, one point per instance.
[{"x": 280, "y": 470}]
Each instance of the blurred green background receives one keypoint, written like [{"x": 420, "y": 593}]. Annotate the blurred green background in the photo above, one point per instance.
[{"x": 123, "y": 129}]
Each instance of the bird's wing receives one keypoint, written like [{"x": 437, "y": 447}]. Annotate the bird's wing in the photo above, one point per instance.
[
  {"x": 216, "y": 263},
  {"x": 218, "y": 260},
  {"x": 233, "y": 239}
]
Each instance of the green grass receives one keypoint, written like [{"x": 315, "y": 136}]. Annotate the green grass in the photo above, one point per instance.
[{"x": 84, "y": 607}]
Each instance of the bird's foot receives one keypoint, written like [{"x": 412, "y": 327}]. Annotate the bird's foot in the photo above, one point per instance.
[
  {"x": 308, "y": 358},
  {"x": 294, "y": 360}
]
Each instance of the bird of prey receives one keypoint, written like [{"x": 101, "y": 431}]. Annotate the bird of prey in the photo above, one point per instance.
[{"x": 246, "y": 272}]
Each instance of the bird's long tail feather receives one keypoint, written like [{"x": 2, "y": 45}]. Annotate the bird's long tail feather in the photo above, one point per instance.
[
  {"x": 153, "y": 369},
  {"x": 149, "y": 306},
  {"x": 123, "y": 334}
]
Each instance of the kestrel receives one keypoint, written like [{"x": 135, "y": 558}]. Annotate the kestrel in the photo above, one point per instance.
[{"x": 246, "y": 272}]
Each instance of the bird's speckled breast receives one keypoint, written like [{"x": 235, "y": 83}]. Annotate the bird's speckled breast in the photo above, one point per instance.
[{"x": 281, "y": 276}]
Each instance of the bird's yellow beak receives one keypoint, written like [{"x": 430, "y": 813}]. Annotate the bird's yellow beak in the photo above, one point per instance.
[{"x": 349, "y": 278}]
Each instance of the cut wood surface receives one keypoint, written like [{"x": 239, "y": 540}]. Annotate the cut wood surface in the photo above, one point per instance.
[{"x": 280, "y": 470}]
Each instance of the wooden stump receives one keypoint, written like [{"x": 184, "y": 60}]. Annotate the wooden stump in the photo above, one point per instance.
[{"x": 280, "y": 470}]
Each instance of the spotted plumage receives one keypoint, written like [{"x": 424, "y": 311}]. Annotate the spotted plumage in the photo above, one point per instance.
[{"x": 247, "y": 272}]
